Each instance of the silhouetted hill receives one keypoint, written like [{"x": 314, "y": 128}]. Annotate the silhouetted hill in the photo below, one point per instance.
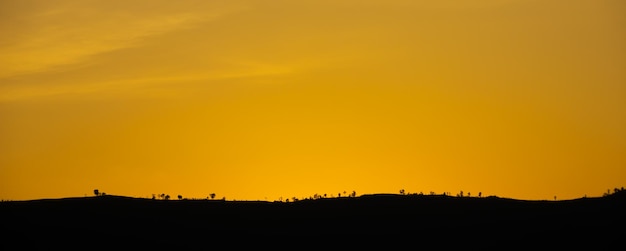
[{"x": 421, "y": 220}]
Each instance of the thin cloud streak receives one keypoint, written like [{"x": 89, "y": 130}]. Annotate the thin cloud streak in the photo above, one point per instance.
[
  {"x": 68, "y": 35},
  {"x": 34, "y": 92}
]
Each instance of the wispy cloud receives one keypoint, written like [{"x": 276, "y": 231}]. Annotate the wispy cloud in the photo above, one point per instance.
[
  {"x": 248, "y": 70},
  {"x": 55, "y": 36}
]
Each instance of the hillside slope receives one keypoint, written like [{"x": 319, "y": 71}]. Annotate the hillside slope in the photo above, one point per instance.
[{"x": 437, "y": 220}]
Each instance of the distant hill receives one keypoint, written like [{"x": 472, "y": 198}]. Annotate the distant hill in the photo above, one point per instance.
[{"x": 418, "y": 219}]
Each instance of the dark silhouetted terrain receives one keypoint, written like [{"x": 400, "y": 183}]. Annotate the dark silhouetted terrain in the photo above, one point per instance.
[{"x": 417, "y": 220}]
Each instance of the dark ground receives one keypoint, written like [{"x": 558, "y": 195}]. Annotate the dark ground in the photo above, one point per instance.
[{"x": 413, "y": 221}]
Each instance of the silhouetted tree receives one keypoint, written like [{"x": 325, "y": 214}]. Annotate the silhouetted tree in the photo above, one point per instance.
[
  {"x": 180, "y": 197},
  {"x": 402, "y": 191},
  {"x": 480, "y": 194},
  {"x": 167, "y": 197},
  {"x": 353, "y": 194},
  {"x": 96, "y": 192},
  {"x": 212, "y": 195}
]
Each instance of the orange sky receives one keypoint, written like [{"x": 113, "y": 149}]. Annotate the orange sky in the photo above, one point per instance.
[{"x": 261, "y": 99}]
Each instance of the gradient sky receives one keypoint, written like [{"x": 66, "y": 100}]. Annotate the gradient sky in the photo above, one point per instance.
[{"x": 261, "y": 99}]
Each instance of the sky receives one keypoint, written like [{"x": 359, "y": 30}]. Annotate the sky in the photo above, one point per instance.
[{"x": 271, "y": 99}]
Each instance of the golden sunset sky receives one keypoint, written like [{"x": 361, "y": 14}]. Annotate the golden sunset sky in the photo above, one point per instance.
[{"x": 262, "y": 99}]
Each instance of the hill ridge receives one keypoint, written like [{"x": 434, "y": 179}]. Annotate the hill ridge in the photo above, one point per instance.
[{"x": 427, "y": 218}]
